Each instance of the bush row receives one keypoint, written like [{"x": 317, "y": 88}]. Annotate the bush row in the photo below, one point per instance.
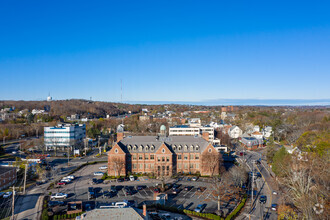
[
  {"x": 203, "y": 215},
  {"x": 67, "y": 216},
  {"x": 234, "y": 213}
]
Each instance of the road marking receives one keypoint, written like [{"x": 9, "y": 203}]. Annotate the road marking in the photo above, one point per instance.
[
  {"x": 202, "y": 193},
  {"x": 145, "y": 192},
  {"x": 193, "y": 194}
]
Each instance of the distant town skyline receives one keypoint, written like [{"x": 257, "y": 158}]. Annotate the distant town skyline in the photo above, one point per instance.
[{"x": 173, "y": 51}]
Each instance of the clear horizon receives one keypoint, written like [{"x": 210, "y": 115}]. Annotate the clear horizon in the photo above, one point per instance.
[{"x": 184, "y": 51}]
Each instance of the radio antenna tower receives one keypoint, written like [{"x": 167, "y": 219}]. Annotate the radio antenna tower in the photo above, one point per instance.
[{"x": 121, "y": 98}]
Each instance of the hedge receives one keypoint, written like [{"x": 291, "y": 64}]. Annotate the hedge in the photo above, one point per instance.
[
  {"x": 237, "y": 210},
  {"x": 203, "y": 215}
]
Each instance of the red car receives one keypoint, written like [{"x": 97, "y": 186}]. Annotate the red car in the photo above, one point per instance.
[{"x": 61, "y": 183}]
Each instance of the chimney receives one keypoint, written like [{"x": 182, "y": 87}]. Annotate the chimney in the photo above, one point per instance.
[
  {"x": 120, "y": 136},
  {"x": 205, "y": 135},
  {"x": 144, "y": 210}
]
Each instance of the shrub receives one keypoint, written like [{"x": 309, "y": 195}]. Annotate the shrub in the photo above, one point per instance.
[
  {"x": 44, "y": 215},
  {"x": 237, "y": 210}
]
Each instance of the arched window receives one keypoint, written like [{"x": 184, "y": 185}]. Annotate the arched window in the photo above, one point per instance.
[
  {"x": 116, "y": 151},
  {"x": 210, "y": 150},
  {"x": 163, "y": 150}
]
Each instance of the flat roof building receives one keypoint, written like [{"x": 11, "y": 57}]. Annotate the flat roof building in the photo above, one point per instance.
[{"x": 64, "y": 135}]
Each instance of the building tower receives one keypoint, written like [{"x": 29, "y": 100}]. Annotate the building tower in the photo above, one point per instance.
[
  {"x": 163, "y": 130},
  {"x": 49, "y": 98}
]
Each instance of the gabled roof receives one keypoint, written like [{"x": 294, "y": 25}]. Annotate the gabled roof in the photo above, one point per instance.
[{"x": 115, "y": 213}]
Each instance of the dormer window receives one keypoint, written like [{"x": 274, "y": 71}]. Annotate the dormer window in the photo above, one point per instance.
[
  {"x": 185, "y": 147},
  {"x": 180, "y": 147},
  {"x": 197, "y": 148},
  {"x": 135, "y": 147},
  {"x": 191, "y": 148},
  {"x": 140, "y": 148},
  {"x": 147, "y": 148},
  {"x": 174, "y": 147},
  {"x": 129, "y": 147},
  {"x": 152, "y": 148}
]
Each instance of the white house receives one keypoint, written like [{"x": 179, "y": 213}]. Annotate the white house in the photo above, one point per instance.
[
  {"x": 257, "y": 135},
  {"x": 256, "y": 128},
  {"x": 235, "y": 132},
  {"x": 267, "y": 131}
]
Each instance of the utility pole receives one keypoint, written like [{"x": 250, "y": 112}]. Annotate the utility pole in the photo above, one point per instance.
[
  {"x": 85, "y": 146},
  {"x": 218, "y": 203},
  {"x": 252, "y": 183},
  {"x": 26, "y": 167},
  {"x": 13, "y": 205},
  {"x": 68, "y": 155},
  {"x": 98, "y": 144}
]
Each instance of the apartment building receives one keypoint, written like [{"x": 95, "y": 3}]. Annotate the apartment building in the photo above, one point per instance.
[
  {"x": 186, "y": 130},
  {"x": 163, "y": 155},
  {"x": 64, "y": 135},
  {"x": 7, "y": 176}
]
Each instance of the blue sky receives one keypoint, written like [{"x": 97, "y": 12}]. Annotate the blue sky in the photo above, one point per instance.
[{"x": 164, "y": 50}]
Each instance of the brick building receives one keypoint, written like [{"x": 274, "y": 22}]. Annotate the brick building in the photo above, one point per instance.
[
  {"x": 163, "y": 155},
  {"x": 7, "y": 176}
]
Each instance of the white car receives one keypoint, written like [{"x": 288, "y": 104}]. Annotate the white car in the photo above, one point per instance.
[
  {"x": 7, "y": 195},
  {"x": 131, "y": 178},
  {"x": 274, "y": 193},
  {"x": 59, "y": 196},
  {"x": 14, "y": 152},
  {"x": 103, "y": 167},
  {"x": 70, "y": 177},
  {"x": 67, "y": 180},
  {"x": 160, "y": 196},
  {"x": 98, "y": 174},
  {"x": 195, "y": 178}
]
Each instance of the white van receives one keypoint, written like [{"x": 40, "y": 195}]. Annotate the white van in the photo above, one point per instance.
[{"x": 120, "y": 204}]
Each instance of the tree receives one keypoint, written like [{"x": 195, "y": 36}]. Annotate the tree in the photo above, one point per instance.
[
  {"x": 238, "y": 175},
  {"x": 117, "y": 164},
  {"x": 280, "y": 159},
  {"x": 211, "y": 163}
]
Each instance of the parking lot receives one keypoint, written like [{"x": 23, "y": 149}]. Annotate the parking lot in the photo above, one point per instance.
[{"x": 184, "y": 199}]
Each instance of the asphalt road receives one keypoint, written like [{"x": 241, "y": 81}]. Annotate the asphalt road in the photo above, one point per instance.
[{"x": 264, "y": 186}]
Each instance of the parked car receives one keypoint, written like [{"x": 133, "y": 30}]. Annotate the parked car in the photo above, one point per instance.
[
  {"x": 187, "y": 188},
  {"x": 72, "y": 177},
  {"x": 195, "y": 178},
  {"x": 176, "y": 186},
  {"x": 140, "y": 187},
  {"x": 176, "y": 191},
  {"x": 274, "y": 207},
  {"x": 131, "y": 178},
  {"x": 160, "y": 196},
  {"x": 104, "y": 167},
  {"x": 120, "y": 180},
  {"x": 126, "y": 179},
  {"x": 201, "y": 189},
  {"x": 113, "y": 189},
  {"x": 59, "y": 196},
  {"x": 200, "y": 208},
  {"x": 263, "y": 199},
  {"x": 67, "y": 180},
  {"x": 156, "y": 190},
  {"x": 7, "y": 194},
  {"x": 98, "y": 173},
  {"x": 1, "y": 194},
  {"x": 61, "y": 183},
  {"x": 274, "y": 193}
]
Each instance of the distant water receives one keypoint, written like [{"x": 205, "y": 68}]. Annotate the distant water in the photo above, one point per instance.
[{"x": 247, "y": 102}]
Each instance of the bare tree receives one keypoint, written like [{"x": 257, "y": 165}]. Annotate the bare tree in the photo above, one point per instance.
[
  {"x": 117, "y": 164},
  {"x": 211, "y": 163},
  {"x": 238, "y": 175}
]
